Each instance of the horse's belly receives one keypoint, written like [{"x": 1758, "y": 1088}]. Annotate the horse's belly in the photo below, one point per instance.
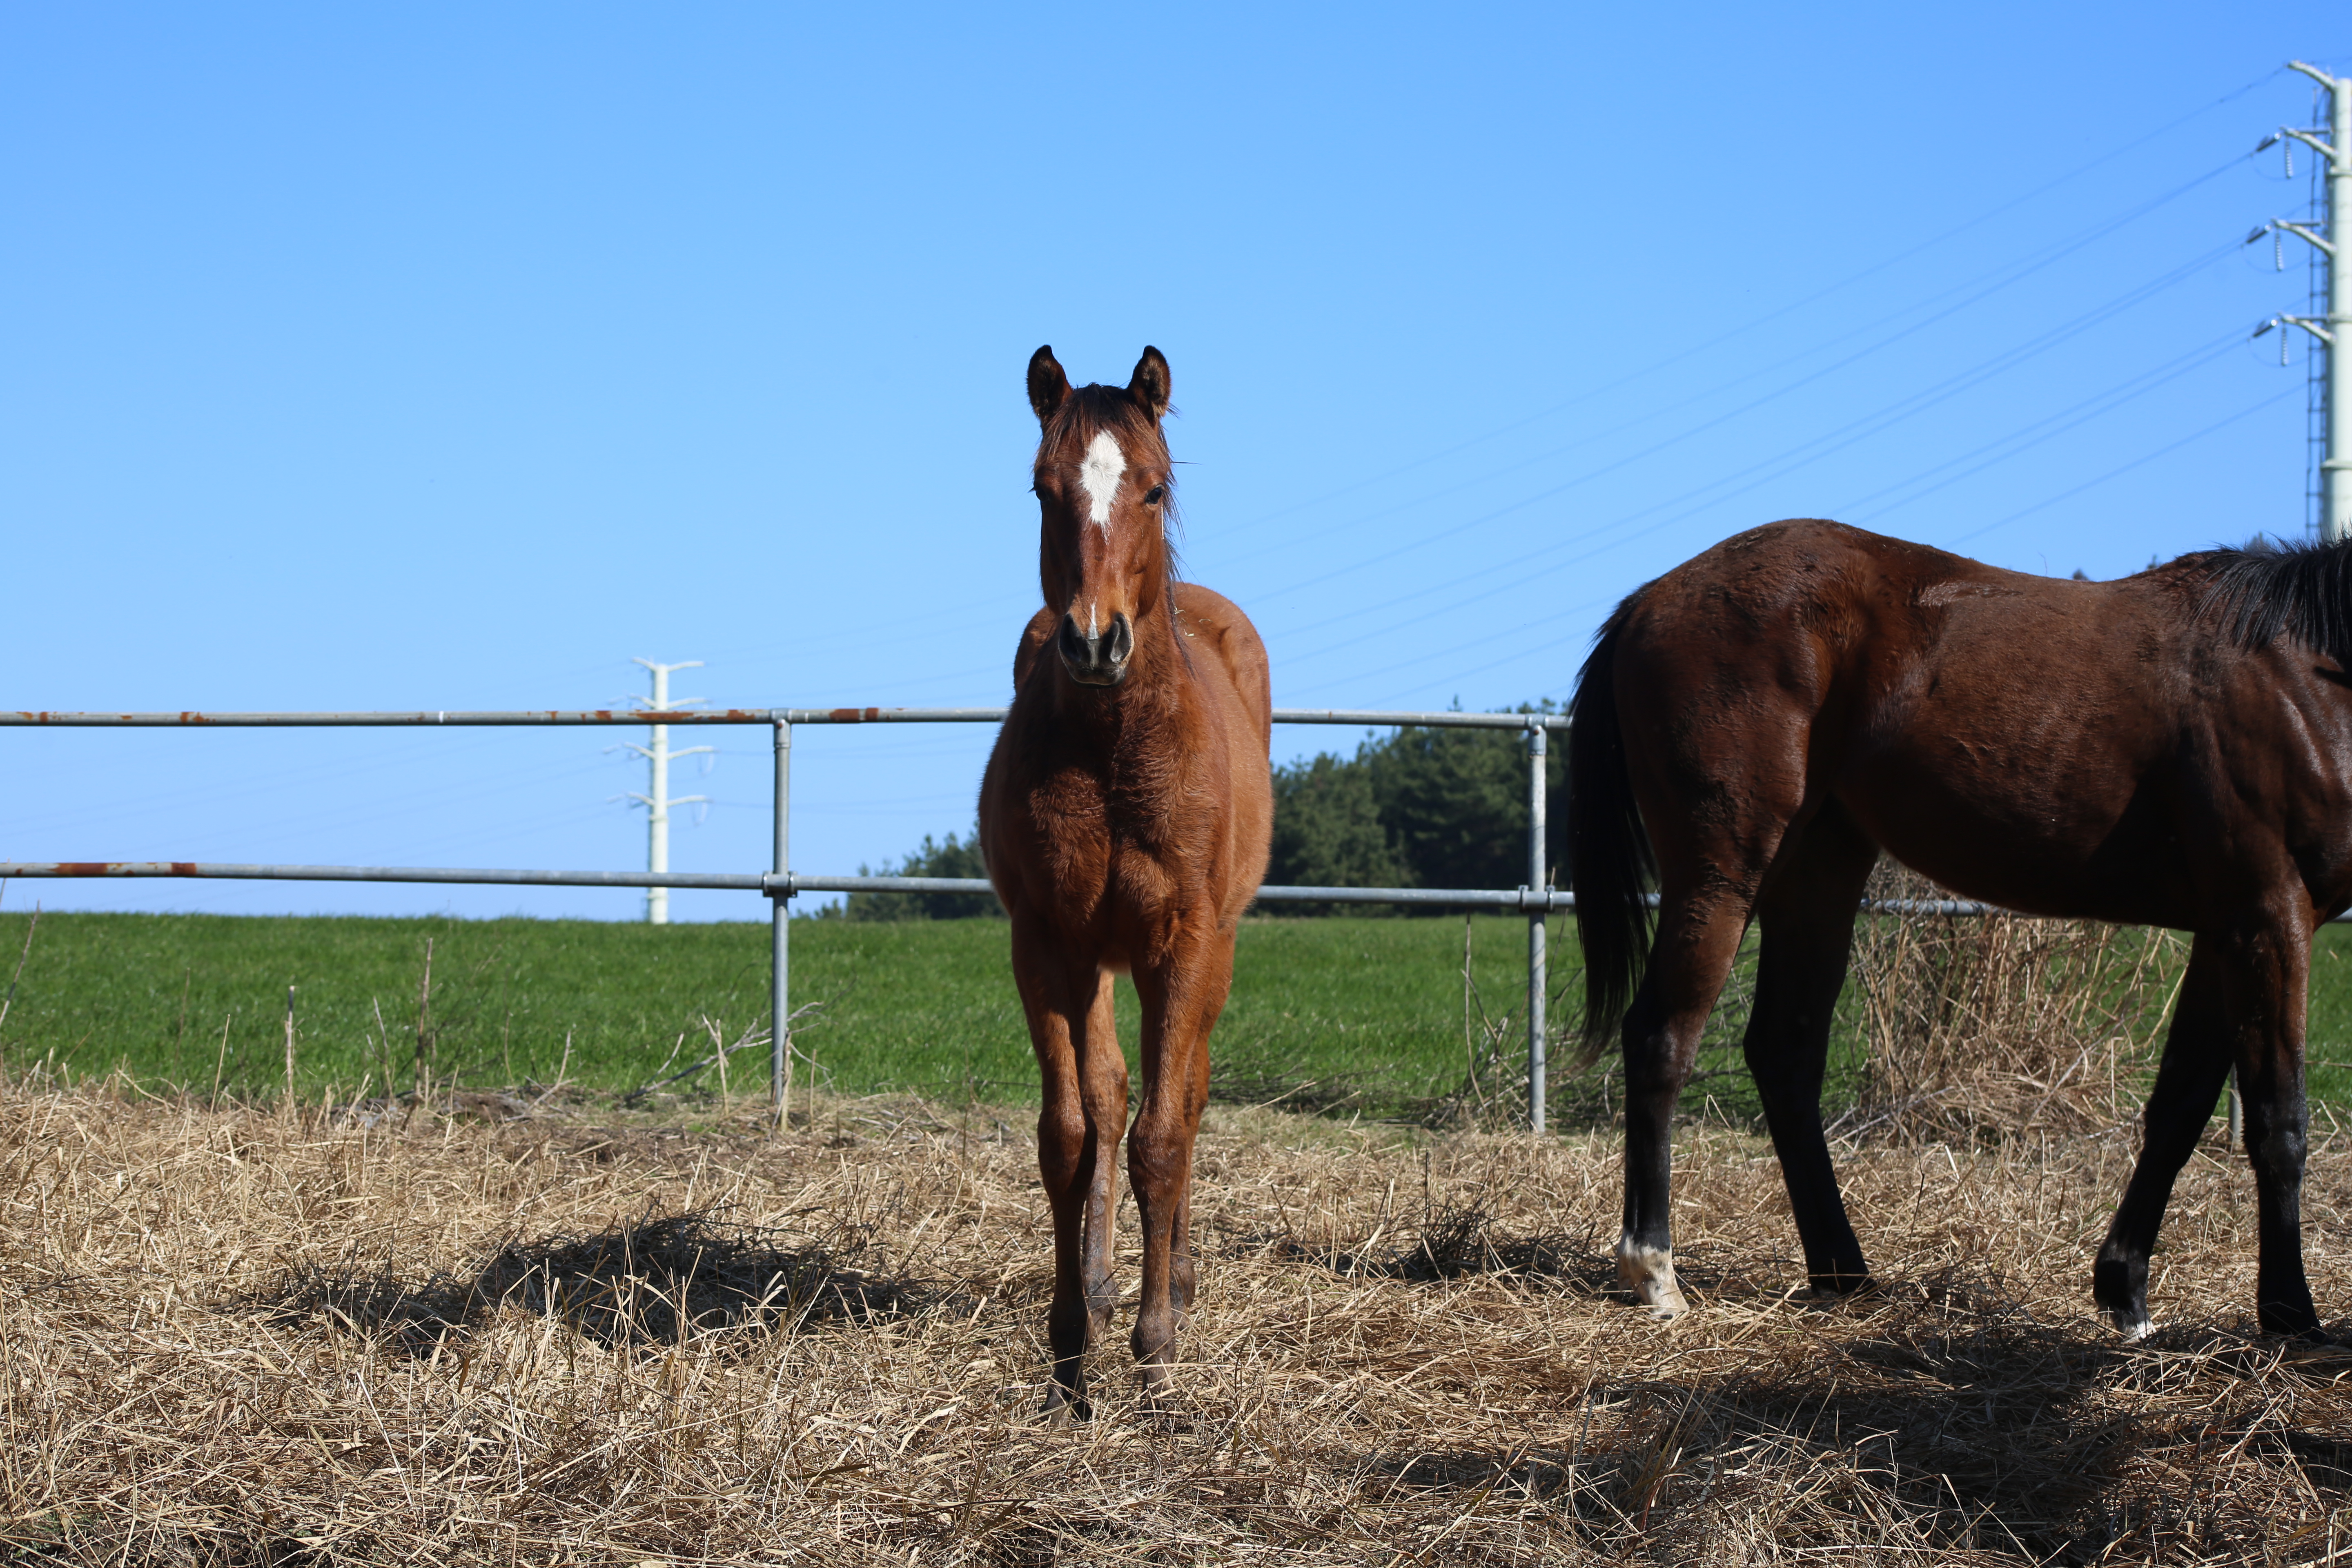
[{"x": 2057, "y": 835}]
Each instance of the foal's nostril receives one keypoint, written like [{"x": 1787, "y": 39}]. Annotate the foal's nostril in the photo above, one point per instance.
[
  {"x": 1072, "y": 643},
  {"x": 1122, "y": 639}
]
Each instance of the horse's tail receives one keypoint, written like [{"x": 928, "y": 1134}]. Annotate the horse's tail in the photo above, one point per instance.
[{"x": 1609, "y": 861}]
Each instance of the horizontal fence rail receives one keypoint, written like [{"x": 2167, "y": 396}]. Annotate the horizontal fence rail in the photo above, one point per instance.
[
  {"x": 780, "y": 884},
  {"x": 789, "y": 884},
  {"x": 793, "y": 883},
  {"x": 524, "y": 717}
]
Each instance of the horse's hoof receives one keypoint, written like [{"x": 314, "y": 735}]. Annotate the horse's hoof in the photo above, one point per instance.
[
  {"x": 1839, "y": 1290},
  {"x": 2317, "y": 1345},
  {"x": 1648, "y": 1272},
  {"x": 1158, "y": 1402},
  {"x": 1165, "y": 1415},
  {"x": 2131, "y": 1324},
  {"x": 1063, "y": 1407}
]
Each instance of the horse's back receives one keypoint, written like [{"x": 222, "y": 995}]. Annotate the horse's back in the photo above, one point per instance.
[
  {"x": 1873, "y": 636},
  {"x": 2010, "y": 735}
]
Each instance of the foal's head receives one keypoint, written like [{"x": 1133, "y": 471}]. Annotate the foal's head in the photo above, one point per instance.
[{"x": 1103, "y": 485}]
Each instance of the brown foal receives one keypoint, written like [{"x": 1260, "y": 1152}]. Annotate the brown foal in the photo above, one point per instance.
[
  {"x": 1125, "y": 816},
  {"x": 2169, "y": 749}
]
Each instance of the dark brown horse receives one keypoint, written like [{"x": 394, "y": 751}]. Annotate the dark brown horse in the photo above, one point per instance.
[
  {"x": 1124, "y": 817},
  {"x": 2170, "y": 748}
]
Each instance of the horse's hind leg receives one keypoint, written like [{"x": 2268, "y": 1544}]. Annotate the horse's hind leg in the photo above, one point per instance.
[
  {"x": 1698, "y": 936},
  {"x": 2188, "y": 1082},
  {"x": 1806, "y": 916}
]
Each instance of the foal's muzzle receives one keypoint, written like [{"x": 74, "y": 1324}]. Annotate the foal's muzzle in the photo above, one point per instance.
[{"x": 1096, "y": 660}]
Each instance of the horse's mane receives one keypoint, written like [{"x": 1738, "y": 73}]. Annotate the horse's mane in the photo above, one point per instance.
[
  {"x": 1094, "y": 408},
  {"x": 2267, "y": 588}
]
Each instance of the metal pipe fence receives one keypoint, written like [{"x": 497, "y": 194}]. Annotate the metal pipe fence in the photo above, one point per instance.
[{"x": 780, "y": 883}]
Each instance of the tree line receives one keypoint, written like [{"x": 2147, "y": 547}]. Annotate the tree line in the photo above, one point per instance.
[{"x": 1413, "y": 808}]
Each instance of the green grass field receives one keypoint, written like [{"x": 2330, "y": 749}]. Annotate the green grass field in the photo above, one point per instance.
[
  {"x": 1321, "y": 1008},
  {"x": 1358, "y": 1014}
]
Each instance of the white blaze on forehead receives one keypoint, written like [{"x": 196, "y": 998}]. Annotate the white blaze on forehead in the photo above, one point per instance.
[{"x": 1098, "y": 475}]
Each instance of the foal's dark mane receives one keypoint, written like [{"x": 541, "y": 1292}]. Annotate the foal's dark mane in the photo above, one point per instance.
[{"x": 2304, "y": 591}]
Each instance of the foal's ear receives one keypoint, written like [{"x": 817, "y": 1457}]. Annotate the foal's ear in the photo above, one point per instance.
[
  {"x": 1047, "y": 386},
  {"x": 1148, "y": 386}
]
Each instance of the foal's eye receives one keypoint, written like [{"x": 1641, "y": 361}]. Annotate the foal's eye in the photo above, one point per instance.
[{"x": 1155, "y": 495}]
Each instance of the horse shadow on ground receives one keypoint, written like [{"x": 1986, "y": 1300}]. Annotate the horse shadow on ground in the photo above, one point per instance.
[
  {"x": 1950, "y": 1415},
  {"x": 657, "y": 1281},
  {"x": 1458, "y": 1238},
  {"x": 1959, "y": 1424}
]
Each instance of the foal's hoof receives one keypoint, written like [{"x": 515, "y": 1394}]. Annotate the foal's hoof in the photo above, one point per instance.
[
  {"x": 1648, "y": 1272},
  {"x": 2131, "y": 1324}
]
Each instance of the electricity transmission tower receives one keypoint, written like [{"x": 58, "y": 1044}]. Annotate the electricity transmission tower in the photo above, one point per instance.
[
  {"x": 658, "y": 800},
  {"x": 2333, "y": 411}
]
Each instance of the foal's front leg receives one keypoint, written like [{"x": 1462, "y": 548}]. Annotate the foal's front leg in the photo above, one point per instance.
[
  {"x": 1102, "y": 1073},
  {"x": 1182, "y": 998},
  {"x": 1077, "y": 1147}
]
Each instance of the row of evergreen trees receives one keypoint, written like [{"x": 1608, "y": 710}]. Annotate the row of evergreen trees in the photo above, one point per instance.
[{"x": 1413, "y": 808}]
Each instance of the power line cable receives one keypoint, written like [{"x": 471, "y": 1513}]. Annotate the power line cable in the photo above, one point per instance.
[
  {"x": 1553, "y": 617},
  {"x": 2015, "y": 270},
  {"x": 2028, "y": 437},
  {"x": 2139, "y": 462},
  {"x": 2033, "y": 261},
  {"x": 1781, "y": 464},
  {"x": 1716, "y": 340},
  {"x": 2129, "y": 298}
]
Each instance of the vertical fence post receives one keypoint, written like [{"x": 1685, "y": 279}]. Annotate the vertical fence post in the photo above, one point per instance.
[
  {"x": 1539, "y": 911},
  {"x": 780, "y": 991}
]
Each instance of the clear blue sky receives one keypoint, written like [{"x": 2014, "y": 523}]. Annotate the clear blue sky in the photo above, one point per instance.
[{"x": 445, "y": 357}]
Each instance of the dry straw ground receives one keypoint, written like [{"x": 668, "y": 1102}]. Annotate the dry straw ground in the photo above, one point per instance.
[{"x": 255, "y": 1337}]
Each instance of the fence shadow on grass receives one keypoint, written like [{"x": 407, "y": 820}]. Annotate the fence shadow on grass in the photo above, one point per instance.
[{"x": 657, "y": 1280}]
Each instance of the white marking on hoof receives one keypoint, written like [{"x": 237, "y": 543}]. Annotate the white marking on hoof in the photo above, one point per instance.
[
  {"x": 1098, "y": 476},
  {"x": 2131, "y": 1330},
  {"x": 1649, "y": 1273}
]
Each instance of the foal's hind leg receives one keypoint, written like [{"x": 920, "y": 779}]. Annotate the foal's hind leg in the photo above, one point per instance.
[
  {"x": 2188, "y": 1082},
  {"x": 1806, "y": 919}
]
